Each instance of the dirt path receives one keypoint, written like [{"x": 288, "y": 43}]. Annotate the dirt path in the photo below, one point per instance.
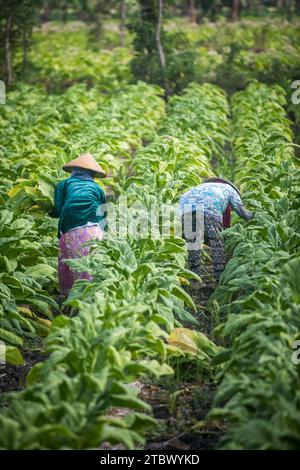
[
  {"x": 181, "y": 417},
  {"x": 180, "y": 407},
  {"x": 13, "y": 378}
]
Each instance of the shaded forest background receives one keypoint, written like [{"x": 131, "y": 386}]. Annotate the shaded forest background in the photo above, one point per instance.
[{"x": 161, "y": 54}]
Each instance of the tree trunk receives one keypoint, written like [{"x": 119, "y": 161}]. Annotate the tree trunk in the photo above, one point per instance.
[
  {"x": 83, "y": 11},
  {"x": 286, "y": 7},
  {"x": 249, "y": 5},
  {"x": 64, "y": 16},
  {"x": 45, "y": 16},
  {"x": 161, "y": 53},
  {"x": 96, "y": 17},
  {"x": 97, "y": 30},
  {"x": 7, "y": 47},
  {"x": 25, "y": 44},
  {"x": 260, "y": 6},
  {"x": 214, "y": 10},
  {"x": 235, "y": 9},
  {"x": 192, "y": 12},
  {"x": 289, "y": 9},
  {"x": 122, "y": 23}
]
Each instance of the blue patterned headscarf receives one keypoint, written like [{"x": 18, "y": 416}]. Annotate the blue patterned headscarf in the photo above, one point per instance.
[
  {"x": 83, "y": 174},
  {"x": 222, "y": 180}
]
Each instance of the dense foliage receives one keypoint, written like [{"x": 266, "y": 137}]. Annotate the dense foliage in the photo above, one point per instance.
[
  {"x": 259, "y": 291},
  {"x": 133, "y": 303},
  {"x": 126, "y": 324},
  {"x": 33, "y": 150}
]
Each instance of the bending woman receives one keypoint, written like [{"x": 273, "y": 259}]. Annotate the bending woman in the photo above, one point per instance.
[
  {"x": 207, "y": 209},
  {"x": 78, "y": 202}
]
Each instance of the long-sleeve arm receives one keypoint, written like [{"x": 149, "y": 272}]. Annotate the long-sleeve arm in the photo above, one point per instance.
[
  {"x": 58, "y": 201},
  {"x": 238, "y": 206}
]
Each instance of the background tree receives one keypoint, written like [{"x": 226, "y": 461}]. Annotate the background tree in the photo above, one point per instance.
[
  {"x": 161, "y": 57},
  {"x": 97, "y": 11},
  {"x": 235, "y": 10},
  {"x": 192, "y": 11},
  {"x": 122, "y": 22},
  {"x": 145, "y": 42},
  {"x": 17, "y": 18},
  {"x": 7, "y": 19},
  {"x": 161, "y": 54},
  {"x": 249, "y": 5}
]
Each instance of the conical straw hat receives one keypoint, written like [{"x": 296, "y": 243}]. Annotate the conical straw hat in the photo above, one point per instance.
[{"x": 87, "y": 162}]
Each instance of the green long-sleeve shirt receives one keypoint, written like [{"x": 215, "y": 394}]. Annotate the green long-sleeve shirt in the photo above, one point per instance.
[{"x": 76, "y": 202}]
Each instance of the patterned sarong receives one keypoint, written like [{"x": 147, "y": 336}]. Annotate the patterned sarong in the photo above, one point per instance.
[{"x": 71, "y": 247}]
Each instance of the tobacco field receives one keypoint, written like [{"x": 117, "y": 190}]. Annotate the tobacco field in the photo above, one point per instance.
[{"x": 106, "y": 367}]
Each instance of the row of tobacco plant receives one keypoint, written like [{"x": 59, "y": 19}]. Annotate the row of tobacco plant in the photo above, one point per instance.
[
  {"x": 259, "y": 295},
  {"x": 39, "y": 133},
  {"x": 120, "y": 322}
]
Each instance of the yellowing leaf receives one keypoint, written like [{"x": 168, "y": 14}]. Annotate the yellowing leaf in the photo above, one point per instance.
[
  {"x": 25, "y": 311},
  {"x": 12, "y": 192},
  {"x": 44, "y": 321},
  {"x": 183, "y": 281},
  {"x": 193, "y": 342},
  {"x": 184, "y": 339}
]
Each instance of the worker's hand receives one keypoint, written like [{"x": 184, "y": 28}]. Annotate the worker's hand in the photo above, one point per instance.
[{"x": 248, "y": 215}]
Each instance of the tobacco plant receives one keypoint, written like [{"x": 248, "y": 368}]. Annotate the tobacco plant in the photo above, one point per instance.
[
  {"x": 119, "y": 323},
  {"x": 259, "y": 291}
]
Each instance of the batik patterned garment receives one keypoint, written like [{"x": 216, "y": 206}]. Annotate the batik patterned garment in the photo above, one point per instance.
[
  {"x": 213, "y": 199},
  {"x": 71, "y": 247}
]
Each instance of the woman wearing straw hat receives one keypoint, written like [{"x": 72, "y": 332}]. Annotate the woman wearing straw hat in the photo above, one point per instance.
[
  {"x": 206, "y": 209},
  {"x": 79, "y": 204}
]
